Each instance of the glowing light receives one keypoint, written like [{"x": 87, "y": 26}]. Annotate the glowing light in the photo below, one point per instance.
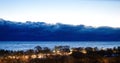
[
  {"x": 84, "y": 51},
  {"x": 34, "y": 56},
  {"x": 26, "y": 57}
]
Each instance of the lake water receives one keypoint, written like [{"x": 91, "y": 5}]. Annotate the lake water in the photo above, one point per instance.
[{"x": 24, "y": 45}]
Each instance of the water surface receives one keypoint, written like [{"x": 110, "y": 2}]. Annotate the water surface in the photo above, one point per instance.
[{"x": 24, "y": 45}]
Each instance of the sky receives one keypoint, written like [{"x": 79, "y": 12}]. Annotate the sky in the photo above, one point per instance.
[{"x": 87, "y": 12}]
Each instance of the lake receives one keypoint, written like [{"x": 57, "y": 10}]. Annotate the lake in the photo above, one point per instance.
[{"x": 24, "y": 45}]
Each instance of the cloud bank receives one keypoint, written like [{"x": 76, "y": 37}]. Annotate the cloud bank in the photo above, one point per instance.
[{"x": 41, "y": 31}]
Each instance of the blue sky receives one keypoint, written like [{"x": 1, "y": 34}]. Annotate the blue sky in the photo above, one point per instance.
[{"x": 87, "y": 12}]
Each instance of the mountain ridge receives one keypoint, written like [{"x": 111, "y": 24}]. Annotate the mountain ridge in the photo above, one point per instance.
[{"x": 41, "y": 31}]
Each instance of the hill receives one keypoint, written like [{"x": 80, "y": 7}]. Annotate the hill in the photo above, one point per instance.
[{"x": 41, "y": 31}]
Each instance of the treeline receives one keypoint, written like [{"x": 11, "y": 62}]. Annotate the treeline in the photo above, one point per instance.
[
  {"x": 61, "y": 54},
  {"x": 36, "y": 50}
]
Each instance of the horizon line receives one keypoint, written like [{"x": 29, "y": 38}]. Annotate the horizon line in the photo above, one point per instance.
[{"x": 16, "y": 21}]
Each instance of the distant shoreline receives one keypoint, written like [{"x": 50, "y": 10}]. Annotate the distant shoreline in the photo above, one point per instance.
[
  {"x": 24, "y": 45},
  {"x": 64, "y": 53}
]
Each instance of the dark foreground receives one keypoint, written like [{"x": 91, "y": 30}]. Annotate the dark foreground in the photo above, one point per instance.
[{"x": 61, "y": 54}]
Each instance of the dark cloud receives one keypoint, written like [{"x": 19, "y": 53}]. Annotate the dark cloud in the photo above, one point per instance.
[{"x": 40, "y": 31}]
